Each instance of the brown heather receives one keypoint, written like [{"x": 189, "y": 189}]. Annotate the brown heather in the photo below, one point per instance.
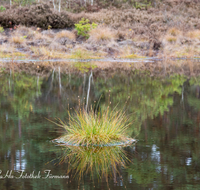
[
  {"x": 40, "y": 15},
  {"x": 151, "y": 23}
]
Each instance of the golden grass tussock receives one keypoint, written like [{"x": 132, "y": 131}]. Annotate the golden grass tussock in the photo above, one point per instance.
[
  {"x": 46, "y": 53},
  {"x": 101, "y": 35},
  {"x": 96, "y": 128},
  {"x": 57, "y": 47},
  {"x": 24, "y": 32},
  {"x": 195, "y": 34},
  {"x": 17, "y": 40},
  {"x": 187, "y": 51},
  {"x": 174, "y": 32},
  {"x": 9, "y": 51},
  {"x": 180, "y": 51},
  {"x": 128, "y": 53},
  {"x": 41, "y": 39},
  {"x": 7, "y": 48},
  {"x": 171, "y": 39},
  {"x": 51, "y": 53},
  {"x": 65, "y": 34},
  {"x": 39, "y": 36}
]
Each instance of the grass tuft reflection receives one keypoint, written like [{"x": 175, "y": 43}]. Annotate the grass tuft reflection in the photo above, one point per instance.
[{"x": 100, "y": 162}]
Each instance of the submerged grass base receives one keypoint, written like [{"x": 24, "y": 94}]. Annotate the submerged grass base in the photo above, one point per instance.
[{"x": 96, "y": 129}]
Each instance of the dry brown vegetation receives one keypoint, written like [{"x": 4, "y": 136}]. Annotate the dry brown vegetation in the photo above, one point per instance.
[
  {"x": 103, "y": 42},
  {"x": 178, "y": 44},
  {"x": 17, "y": 40},
  {"x": 66, "y": 34},
  {"x": 40, "y": 15},
  {"x": 172, "y": 29},
  {"x": 149, "y": 23},
  {"x": 194, "y": 34},
  {"x": 65, "y": 37},
  {"x": 101, "y": 35},
  {"x": 25, "y": 32}
]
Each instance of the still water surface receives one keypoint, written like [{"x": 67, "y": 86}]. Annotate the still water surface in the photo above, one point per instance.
[{"x": 166, "y": 114}]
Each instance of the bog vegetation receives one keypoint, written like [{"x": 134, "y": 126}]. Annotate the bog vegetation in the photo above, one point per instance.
[
  {"x": 117, "y": 29},
  {"x": 96, "y": 128}
]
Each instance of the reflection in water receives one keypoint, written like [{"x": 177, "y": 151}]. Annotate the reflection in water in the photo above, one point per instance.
[
  {"x": 59, "y": 77},
  {"x": 88, "y": 91},
  {"x": 167, "y": 120},
  {"x": 100, "y": 162}
]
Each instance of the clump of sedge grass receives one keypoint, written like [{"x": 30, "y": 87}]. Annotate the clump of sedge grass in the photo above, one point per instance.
[
  {"x": 47, "y": 53},
  {"x": 194, "y": 34},
  {"x": 89, "y": 128},
  {"x": 127, "y": 53},
  {"x": 18, "y": 40},
  {"x": 101, "y": 35},
  {"x": 25, "y": 32},
  {"x": 174, "y": 32},
  {"x": 171, "y": 39},
  {"x": 66, "y": 34}
]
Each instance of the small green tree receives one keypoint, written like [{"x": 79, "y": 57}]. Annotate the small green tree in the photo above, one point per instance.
[
  {"x": 2, "y": 8},
  {"x": 83, "y": 27},
  {"x": 1, "y": 29}
]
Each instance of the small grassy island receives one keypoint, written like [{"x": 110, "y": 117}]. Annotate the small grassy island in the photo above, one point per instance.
[{"x": 107, "y": 128}]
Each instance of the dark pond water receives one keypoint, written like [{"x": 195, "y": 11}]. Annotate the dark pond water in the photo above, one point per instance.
[{"x": 166, "y": 114}]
